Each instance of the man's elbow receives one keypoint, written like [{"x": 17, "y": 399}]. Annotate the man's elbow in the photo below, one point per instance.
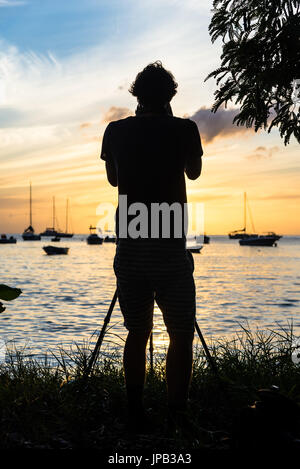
[
  {"x": 193, "y": 172},
  {"x": 193, "y": 175},
  {"x": 112, "y": 179},
  {"x": 111, "y": 174}
]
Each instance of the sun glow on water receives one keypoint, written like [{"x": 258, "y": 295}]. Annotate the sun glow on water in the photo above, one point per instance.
[{"x": 65, "y": 298}]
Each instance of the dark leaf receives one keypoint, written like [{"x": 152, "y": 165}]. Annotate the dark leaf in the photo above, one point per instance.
[{"x": 8, "y": 293}]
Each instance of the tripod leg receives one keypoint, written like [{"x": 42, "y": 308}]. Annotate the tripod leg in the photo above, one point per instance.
[
  {"x": 96, "y": 350},
  {"x": 151, "y": 351},
  {"x": 207, "y": 352}
]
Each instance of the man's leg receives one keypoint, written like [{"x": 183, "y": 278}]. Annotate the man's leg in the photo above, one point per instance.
[
  {"x": 136, "y": 300},
  {"x": 134, "y": 361},
  {"x": 179, "y": 368}
]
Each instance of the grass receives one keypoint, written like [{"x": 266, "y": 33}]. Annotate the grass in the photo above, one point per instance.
[{"x": 45, "y": 406}]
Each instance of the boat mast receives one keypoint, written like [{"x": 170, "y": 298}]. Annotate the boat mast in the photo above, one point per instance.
[
  {"x": 251, "y": 218},
  {"x": 53, "y": 213},
  {"x": 245, "y": 212},
  {"x": 67, "y": 209},
  {"x": 30, "y": 204}
]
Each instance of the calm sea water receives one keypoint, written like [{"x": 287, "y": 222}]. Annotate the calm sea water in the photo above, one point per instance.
[{"x": 65, "y": 298}]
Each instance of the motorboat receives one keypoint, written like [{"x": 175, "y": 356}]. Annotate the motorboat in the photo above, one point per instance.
[
  {"x": 5, "y": 240},
  {"x": 206, "y": 239},
  {"x": 53, "y": 250},
  {"x": 93, "y": 238},
  {"x": 195, "y": 249}
]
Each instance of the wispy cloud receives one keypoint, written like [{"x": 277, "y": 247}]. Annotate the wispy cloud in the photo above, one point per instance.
[
  {"x": 262, "y": 153},
  {"x": 282, "y": 196},
  {"x": 11, "y": 3},
  {"x": 115, "y": 113},
  {"x": 85, "y": 125}
]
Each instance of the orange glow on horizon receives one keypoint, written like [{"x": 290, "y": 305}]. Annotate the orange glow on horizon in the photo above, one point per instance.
[{"x": 76, "y": 172}]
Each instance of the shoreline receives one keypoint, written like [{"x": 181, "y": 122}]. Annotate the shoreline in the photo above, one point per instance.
[{"x": 57, "y": 408}]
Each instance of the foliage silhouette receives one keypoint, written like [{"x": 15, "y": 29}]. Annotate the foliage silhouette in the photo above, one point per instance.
[{"x": 260, "y": 60}]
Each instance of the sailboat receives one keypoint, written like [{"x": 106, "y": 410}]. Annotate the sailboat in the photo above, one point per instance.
[
  {"x": 241, "y": 234},
  {"x": 268, "y": 239},
  {"x": 66, "y": 234},
  {"x": 29, "y": 234},
  {"x": 51, "y": 231},
  {"x": 246, "y": 239}
]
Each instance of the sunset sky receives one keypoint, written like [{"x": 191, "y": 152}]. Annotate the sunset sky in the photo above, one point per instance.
[{"x": 65, "y": 70}]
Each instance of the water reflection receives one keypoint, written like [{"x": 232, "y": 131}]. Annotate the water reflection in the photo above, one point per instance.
[{"x": 65, "y": 299}]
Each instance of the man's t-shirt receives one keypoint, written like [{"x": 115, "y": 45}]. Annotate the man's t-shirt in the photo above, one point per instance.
[{"x": 149, "y": 154}]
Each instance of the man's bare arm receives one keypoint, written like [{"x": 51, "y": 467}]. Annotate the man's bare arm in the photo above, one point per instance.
[{"x": 111, "y": 173}]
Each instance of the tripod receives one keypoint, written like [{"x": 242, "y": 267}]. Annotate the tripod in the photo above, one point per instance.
[{"x": 96, "y": 351}]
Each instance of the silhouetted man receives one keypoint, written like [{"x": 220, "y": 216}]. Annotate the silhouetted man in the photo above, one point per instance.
[{"x": 146, "y": 157}]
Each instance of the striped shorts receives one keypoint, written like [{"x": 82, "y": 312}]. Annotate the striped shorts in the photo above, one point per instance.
[{"x": 149, "y": 270}]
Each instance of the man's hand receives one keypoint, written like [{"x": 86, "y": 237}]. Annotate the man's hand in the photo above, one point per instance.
[
  {"x": 111, "y": 173},
  {"x": 193, "y": 168}
]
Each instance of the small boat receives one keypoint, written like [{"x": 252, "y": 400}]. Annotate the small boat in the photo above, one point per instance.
[
  {"x": 29, "y": 234},
  {"x": 93, "y": 238},
  {"x": 110, "y": 239},
  {"x": 268, "y": 239},
  {"x": 55, "y": 239},
  {"x": 5, "y": 240},
  {"x": 52, "y": 250},
  {"x": 206, "y": 239},
  {"x": 194, "y": 249}
]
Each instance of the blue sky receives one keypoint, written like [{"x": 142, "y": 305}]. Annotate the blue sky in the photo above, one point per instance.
[
  {"x": 62, "y": 27},
  {"x": 66, "y": 66},
  {"x": 65, "y": 28}
]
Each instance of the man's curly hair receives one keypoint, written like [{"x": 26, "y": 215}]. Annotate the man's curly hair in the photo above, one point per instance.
[{"x": 154, "y": 86}]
